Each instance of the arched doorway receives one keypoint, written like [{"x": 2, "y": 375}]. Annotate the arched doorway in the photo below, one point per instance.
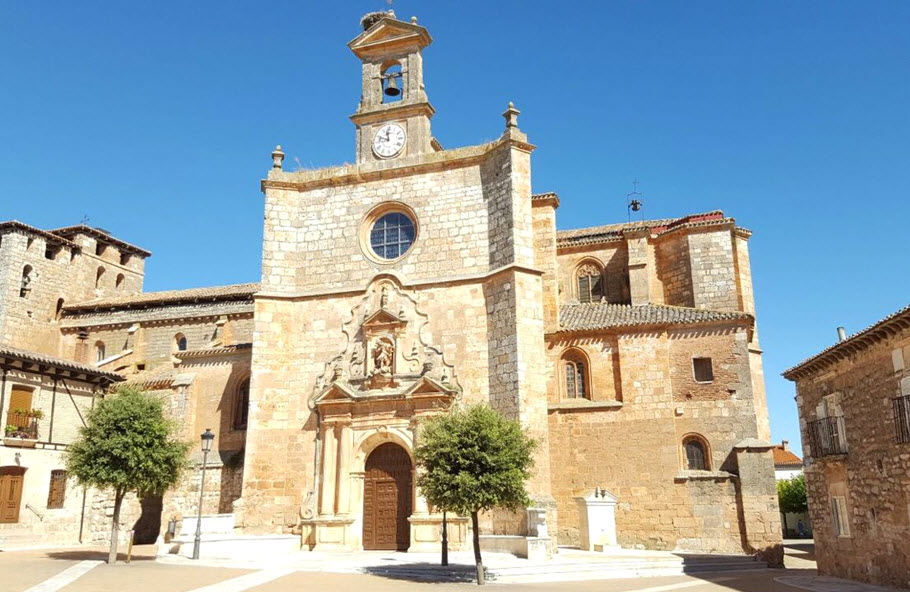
[{"x": 387, "y": 495}]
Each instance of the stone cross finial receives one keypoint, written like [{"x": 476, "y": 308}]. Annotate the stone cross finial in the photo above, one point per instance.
[
  {"x": 277, "y": 157},
  {"x": 511, "y": 114}
]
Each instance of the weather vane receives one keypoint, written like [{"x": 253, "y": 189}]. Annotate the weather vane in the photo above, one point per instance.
[
  {"x": 633, "y": 202},
  {"x": 84, "y": 220}
]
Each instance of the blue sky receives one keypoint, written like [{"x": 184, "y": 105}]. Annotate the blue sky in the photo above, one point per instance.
[{"x": 156, "y": 120}]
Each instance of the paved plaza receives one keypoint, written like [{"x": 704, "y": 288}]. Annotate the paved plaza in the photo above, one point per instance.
[{"x": 83, "y": 570}]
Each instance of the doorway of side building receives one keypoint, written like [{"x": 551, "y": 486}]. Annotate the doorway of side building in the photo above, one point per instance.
[
  {"x": 387, "y": 491},
  {"x": 11, "y": 479}
]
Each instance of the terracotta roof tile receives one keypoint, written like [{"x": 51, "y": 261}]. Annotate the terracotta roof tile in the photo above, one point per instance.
[
  {"x": 23, "y": 227},
  {"x": 102, "y": 235},
  {"x": 56, "y": 362},
  {"x": 856, "y": 342},
  {"x": 785, "y": 457},
  {"x": 601, "y": 315},
  {"x": 146, "y": 299},
  {"x": 594, "y": 234}
]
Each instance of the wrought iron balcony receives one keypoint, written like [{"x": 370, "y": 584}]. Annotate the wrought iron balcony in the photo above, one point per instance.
[
  {"x": 902, "y": 418},
  {"x": 827, "y": 436},
  {"x": 22, "y": 424}
]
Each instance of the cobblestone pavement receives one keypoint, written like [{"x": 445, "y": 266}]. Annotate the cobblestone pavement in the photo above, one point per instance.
[{"x": 83, "y": 570}]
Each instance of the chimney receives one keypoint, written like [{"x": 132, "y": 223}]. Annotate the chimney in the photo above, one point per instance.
[
  {"x": 841, "y": 334},
  {"x": 785, "y": 444}
]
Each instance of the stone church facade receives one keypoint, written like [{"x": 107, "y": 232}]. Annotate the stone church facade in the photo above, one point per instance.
[{"x": 417, "y": 279}]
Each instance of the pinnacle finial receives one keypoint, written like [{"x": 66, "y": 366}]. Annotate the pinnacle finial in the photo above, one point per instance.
[
  {"x": 413, "y": 20},
  {"x": 277, "y": 158},
  {"x": 511, "y": 116}
]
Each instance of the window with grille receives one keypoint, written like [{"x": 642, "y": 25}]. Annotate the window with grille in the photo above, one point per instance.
[
  {"x": 696, "y": 454},
  {"x": 392, "y": 235},
  {"x": 590, "y": 283},
  {"x": 703, "y": 369},
  {"x": 57, "y": 494},
  {"x": 576, "y": 379},
  {"x": 902, "y": 418}
]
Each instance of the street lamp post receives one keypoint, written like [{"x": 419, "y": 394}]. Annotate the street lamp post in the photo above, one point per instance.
[{"x": 207, "y": 438}]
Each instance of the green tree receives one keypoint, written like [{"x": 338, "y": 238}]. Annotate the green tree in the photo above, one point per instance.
[
  {"x": 474, "y": 460},
  {"x": 791, "y": 496},
  {"x": 127, "y": 445}
]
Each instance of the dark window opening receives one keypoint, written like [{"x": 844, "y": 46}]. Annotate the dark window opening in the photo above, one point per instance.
[
  {"x": 392, "y": 235},
  {"x": 576, "y": 380},
  {"x": 25, "y": 287},
  {"x": 242, "y": 410},
  {"x": 703, "y": 369},
  {"x": 696, "y": 457}
]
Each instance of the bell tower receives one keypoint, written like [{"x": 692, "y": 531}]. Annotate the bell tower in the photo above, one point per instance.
[{"x": 393, "y": 118}]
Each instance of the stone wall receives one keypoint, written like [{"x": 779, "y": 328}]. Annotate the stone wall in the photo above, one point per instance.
[
  {"x": 31, "y": 322},
  {"x": 628, "y": 440},
  {"x": 873, "y": 476}
]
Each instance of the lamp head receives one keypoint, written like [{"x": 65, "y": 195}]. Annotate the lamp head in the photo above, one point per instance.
[{"x": 207, "y": 438}]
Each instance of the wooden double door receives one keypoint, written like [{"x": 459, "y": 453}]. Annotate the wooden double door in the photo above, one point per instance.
[
  {"x": 387, "y": 499},
  {"x": 11, "y": 479}
]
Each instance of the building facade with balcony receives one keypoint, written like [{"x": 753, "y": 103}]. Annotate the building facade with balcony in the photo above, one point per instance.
[{"x": 853, "y": 400}]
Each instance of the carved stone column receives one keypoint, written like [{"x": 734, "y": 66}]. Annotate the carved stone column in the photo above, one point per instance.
[
  {"x": 345, "y": 436},
  {"x": 329, "y": 461}
]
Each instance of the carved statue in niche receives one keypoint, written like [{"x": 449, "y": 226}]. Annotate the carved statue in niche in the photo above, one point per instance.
[
  {"x": 383, "y": 354},
  {"x": 384, "y": 297}
]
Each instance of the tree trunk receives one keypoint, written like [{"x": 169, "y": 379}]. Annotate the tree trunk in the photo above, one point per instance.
[
  {"x": 784, "y": 516},
  {"x": 445, "y": 540},
  {"x": 477, "y": 559},
  {"x": 115, "y": 527}
]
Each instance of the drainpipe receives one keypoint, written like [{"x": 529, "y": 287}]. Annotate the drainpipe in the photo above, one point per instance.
[{"x": 3, "y": 393}]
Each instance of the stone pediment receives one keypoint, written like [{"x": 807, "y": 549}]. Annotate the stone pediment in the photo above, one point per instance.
[
  {"x": 390, "y": 33},
  {"x": 409, "y": 388},
  {"x": 382, "y": 320}
]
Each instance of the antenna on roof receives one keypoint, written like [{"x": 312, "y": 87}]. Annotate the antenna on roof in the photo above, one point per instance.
[
  {"x": 633, "y": 203},
  {"x": 84, "y": 221}
]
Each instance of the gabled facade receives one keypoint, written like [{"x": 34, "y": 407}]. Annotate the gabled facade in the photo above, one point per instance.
[{"x": 420, "y": 278}]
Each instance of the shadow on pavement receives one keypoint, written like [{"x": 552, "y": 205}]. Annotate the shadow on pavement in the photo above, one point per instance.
[
  {"x": 801, "y": 550},
  {"x": 94, "y": 555},
  {"x": 427, "y": 572}
]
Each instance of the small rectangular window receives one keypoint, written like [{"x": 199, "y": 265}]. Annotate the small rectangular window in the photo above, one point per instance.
[
  {"x": 57, "y": 493},
  {"x": 839, "y": 512},
  {"x": 703, "y": 369}
]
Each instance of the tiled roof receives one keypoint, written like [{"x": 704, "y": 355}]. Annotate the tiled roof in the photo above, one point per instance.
[
  {"x": 23, "y": 227},
  {"x": 596, "y": 234},
  {"x": 785, "y": 458},
  {"x": 147, "y": 299},
  {"x": 62, "y": 363},
  {"x": 549, "y": 196},
  {"x": 858, "y": 341},
  {"x": 601, "y": 315},
  {"x": 103, "y": 236},
  {"x": 220, "y": 350}
]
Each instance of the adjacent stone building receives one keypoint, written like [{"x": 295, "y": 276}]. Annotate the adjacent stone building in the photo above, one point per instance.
[
  {"x": 418, "y": 278},
  {"x": 854, "y": 411}
]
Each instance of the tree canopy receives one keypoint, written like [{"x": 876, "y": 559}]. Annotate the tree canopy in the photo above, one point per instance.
[
  {"x": 127, "y": 445},
  {"x": 474, "y": 460},
  {"x": 791, "y": 494}
]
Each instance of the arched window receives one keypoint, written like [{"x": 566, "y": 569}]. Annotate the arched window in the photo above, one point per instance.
[
  {"x": 242, "y": 405},
  {"x": 119, "y": 283},
  {"x": 58, "y": 310},
  {"x": 180, "y": 342},
  {"x": 98, "y": 275},
  {"x": 25, "y": 287},
  {"x": 99, "y": 351},
  {"x": 124, "y": 259},
  {"x": 575, "y": 374},
  {"x": 696, "y": 451},
  {"x": 590, "y": 282}
]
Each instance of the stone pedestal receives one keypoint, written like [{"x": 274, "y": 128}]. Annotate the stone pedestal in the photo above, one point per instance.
[{"x": 597, "y": 509}]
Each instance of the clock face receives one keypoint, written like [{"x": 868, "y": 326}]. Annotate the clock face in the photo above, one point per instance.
[{"x": 389, "y": 140}]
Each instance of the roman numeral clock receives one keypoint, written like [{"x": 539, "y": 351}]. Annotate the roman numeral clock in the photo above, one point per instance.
[{"x": 389, "y": 140}]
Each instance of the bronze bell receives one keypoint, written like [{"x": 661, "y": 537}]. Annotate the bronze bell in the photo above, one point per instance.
[{"x": 391, "y": 89}]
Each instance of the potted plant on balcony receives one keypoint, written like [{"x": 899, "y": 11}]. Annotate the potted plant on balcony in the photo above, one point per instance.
[{"x": 22, "y": 436}]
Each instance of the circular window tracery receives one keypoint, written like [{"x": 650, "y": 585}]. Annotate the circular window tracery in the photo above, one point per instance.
[{"x": 392, "y": 235}]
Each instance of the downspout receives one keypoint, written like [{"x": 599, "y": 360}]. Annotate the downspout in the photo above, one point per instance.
[{"x": 3, "y": 392}]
